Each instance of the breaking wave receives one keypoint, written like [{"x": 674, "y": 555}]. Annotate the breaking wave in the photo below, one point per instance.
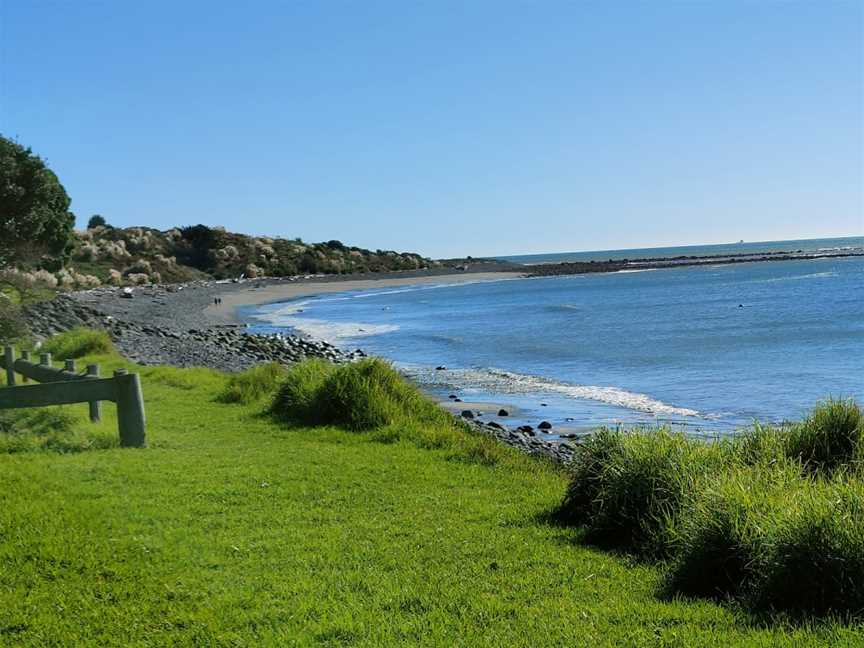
[{"x": 499, "y": 381}]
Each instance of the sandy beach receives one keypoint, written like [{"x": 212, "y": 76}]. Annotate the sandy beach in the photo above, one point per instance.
[{"x": 266, "y": 292}]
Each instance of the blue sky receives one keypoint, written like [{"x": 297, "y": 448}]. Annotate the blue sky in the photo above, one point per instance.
[{"x": 448, "y": 128}]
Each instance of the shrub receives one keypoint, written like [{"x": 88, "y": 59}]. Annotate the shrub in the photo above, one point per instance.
[
  {"x": 96, "y": 220},
  {"x": 13, "y": 326},
  {"x": 628, "y": 487},
  {"x": 253, "y": 384},
  {"x": 814, "y": 563},
  {"x": 77, "y": 343},
  {"x": 830, "y": 438}
]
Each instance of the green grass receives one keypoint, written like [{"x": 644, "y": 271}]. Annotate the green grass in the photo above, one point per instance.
[
  {"x": 235, "y": 529},
  {"x": 830, "y": 438},
  {"x": 627, "y": 488},
  {"x": 77, "y": 343},
  {"x": 773, "y": 519},
  {"x": 253, "y": 384}
]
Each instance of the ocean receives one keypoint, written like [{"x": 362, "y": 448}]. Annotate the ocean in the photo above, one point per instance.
[{"x": 708, "y": 349}]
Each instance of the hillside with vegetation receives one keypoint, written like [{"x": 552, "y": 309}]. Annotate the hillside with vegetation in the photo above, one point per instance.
[
  {"x": 39, "y": 248},
  {"x": 146, "y": 255},
  {"x": 139, "y": 255}
]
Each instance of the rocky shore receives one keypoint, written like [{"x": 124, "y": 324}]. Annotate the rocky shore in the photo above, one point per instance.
[
  {"x": 167, "y": 325},
  {"x": 164, "y": 325}
]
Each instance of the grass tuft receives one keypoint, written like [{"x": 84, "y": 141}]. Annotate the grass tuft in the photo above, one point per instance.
[
  {"x": 720, "y": 539},
  {"x": 830, "y": 438},
  {"x": 627, "y": 487},
  {"x": 814, "y": 556},
  {"x": 297, "y": 398},
  {"x": 360, "y": 396},
  {"x": 254, "y": 384},
  {"x": 77, "y": 343},
  {"x": 370, "y": 396},
  {"x": 49, "y": 428}
]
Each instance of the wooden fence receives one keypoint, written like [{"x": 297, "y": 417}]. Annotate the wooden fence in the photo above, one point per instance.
[{"x": 65, "y": 386}]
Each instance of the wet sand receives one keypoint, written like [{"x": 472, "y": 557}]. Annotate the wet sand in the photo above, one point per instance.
[{"x": 253, "y": 293}]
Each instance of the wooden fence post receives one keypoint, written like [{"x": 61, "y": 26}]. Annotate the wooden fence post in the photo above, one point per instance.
[
  {"x": 95, "y": 406},
  {"x": 45, "y": 359},
  {"x": 25, "y": 356},
  {"x": 69, "y": 365},
  {"x": 130, "y": 409},
  {"x": 9, "y": 354}
]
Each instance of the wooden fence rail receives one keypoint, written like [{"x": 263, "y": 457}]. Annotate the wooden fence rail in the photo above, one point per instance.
[{"x": 65, "y": 386}]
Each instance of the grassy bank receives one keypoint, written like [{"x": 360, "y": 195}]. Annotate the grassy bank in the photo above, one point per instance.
[
  {"x": 236, "y": 527},
  {"x": 773, "y": 518}
]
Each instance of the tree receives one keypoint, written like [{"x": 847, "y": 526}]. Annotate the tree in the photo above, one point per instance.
[
  {"x": 200, "y": 239},
  {"x": 35, "y": 220},
  {"x": 96, "y": 220}
]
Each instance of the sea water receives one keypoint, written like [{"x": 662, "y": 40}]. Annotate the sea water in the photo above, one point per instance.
[{"x": 710, "y": 348}]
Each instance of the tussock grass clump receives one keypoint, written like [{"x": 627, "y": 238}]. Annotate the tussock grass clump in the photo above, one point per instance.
[
  {"x": 830, "y": 438},
  {"x": 297, "y": 398},
  {"x": 760, "y": 445},
  {"x": 253, "y": 384},
  {"x": 720, "y": 540},
  {"x": 370, "y": 396},
  {"x": 628, "y": 487},
  {"x": 814, "y": 554},
  {"x": 77, "y": 343},
  {"x": 48, "y": 428},
  {"x": 361, "y": 396}
]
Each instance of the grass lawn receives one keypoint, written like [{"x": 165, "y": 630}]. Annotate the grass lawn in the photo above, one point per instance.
[{"x": 231, "y": 529}]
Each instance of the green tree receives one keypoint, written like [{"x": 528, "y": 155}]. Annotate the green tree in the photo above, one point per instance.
[
  {"x": 200, "y": 240},
  {"x": 35, "y": 220},
  {"x": 96, "y": 220}
]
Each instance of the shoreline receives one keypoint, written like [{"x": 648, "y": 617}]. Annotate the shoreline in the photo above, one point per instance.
[{"x": 271, "y": 291}]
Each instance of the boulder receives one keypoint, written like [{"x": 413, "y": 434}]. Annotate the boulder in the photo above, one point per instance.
[
  {"x": 503, "y": 412},
  {"x": 544, "y": 425},
  {"x": 468, "y": 414}
]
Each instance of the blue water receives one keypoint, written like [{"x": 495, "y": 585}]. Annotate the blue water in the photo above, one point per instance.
[
  {"x": 710, "y": 348},
  {"x": 810, "y": 246}
]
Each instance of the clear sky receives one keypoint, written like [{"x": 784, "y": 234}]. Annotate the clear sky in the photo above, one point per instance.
[{"x": 449, "y": 128}]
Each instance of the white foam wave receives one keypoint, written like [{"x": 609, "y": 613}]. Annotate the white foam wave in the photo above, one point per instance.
[
  {"x": 814, "y": 275},
  {"x": 333, "y": 332},
  {"x": 499, "y": 381}
]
